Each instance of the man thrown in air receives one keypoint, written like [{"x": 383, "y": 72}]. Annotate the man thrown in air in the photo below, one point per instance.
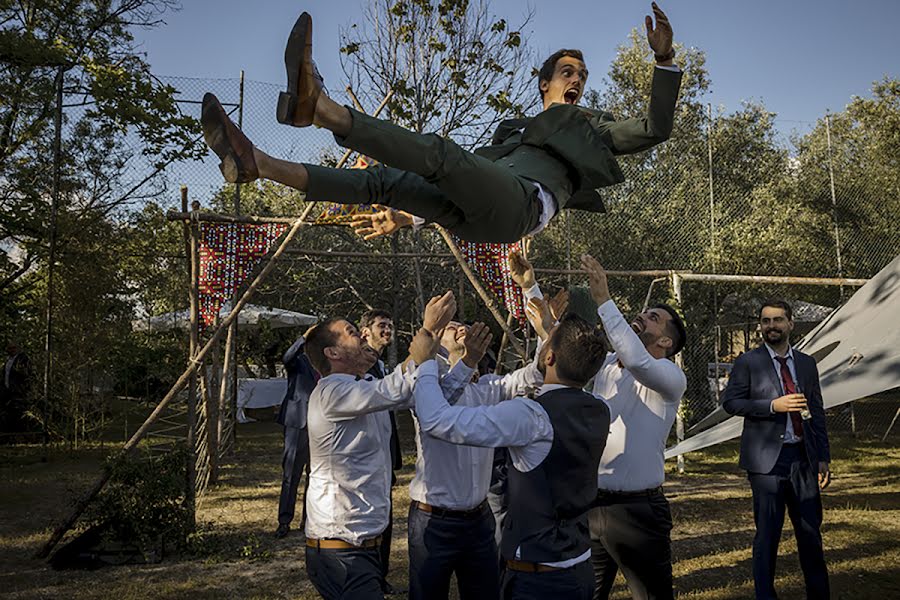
[{"x": 533, "y": 168}]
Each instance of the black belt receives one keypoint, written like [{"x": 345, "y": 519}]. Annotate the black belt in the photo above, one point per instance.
[
  {"x": 445, "y": 512},
  {"x": 612, "y": 497}
]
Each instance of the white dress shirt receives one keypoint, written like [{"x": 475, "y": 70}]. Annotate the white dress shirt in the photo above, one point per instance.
[
  {"x": 520, "y": 424},
  {"x": 457, "y": 477},
  {"x": 349, "y": 452},
  {"x": 643, "y": 395},
  {"x": 789, "y": 436}
]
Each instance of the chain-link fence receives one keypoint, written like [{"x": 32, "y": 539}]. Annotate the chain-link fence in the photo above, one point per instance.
[{"x": 729, "y": 193}]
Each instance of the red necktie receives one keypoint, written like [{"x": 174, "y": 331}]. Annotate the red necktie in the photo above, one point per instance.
[{"x": 790, "y": 388}]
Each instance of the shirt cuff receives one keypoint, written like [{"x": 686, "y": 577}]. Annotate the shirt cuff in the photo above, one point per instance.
[
  {"x": 533, "y": 292},
  {"x": 418, "y": 223},
  {"x": 673, "y": 68},
  {"x": 607, "y": 309},
  {"x": 772, "y": 407}
]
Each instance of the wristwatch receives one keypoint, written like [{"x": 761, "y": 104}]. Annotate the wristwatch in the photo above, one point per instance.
[{"x": 665, "y": 57}]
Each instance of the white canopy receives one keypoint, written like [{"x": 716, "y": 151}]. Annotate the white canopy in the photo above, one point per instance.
[{"x": 251, "y": 314}]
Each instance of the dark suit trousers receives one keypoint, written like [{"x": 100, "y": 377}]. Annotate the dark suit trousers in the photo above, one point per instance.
[
  {"x": 632, "y": 533},
  {"x": 294, "y": 458},
  {"x": 442, "y": 545},
  {"x": 791, "y": 483},
  {"x": 574, "y": 583},
  {"x": 433, "y": 178},
  {"x": 345, "y": 574}
]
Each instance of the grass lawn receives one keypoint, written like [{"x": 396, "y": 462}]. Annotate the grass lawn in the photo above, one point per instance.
[{"x": 239, "y": 558}]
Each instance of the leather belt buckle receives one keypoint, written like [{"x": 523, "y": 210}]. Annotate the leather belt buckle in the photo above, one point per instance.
[
  {"x": 335, "y": 544},
  {"x": 446, "y": 512},
  {"x": 529, "y": 567}
]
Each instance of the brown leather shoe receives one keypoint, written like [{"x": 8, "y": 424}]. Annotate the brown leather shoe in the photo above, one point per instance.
[
  {"x": 297, "y": 106},
  {"x": 228, "y": 142}
]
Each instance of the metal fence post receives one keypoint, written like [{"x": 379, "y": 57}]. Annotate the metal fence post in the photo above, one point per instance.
[{"x": 676, "y": 281}]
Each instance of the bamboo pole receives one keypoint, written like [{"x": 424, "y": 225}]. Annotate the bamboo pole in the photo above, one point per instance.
[
  {"x": 679, "y": 360},
  {"x": 228, "y": 370},
  {"x": 503, "y": 342},
  {"x": 190, "y": 439},
  {"x": 488, "y": 301},
  {"x": 179, "y": 385}
]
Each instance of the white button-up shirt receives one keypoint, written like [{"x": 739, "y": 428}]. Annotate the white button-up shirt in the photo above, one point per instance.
[
  {"x": 349, "y": 454},
  {"x": 457, "y": 477},
  {"x": 643, "y": 395},
  {"x": 789, "y": 436},
  {"x": 520, "y": 424}
]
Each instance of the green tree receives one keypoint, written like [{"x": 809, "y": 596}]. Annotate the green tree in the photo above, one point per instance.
[
  {"x": 455, "y": 68},
  {"x": 109, "y": 94}
]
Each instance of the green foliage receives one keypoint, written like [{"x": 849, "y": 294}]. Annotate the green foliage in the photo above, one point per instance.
[
  {"x": 144, "y": 502},
  {"x": 108, "y": 94}
]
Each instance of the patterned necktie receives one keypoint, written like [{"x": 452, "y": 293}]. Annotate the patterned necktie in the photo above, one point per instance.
[{"x": 790, "y": 388}]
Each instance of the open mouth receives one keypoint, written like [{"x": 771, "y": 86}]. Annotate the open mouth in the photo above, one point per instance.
[
  {"x": 571, "y": 96},
  {"x": 638, "y": 326}
]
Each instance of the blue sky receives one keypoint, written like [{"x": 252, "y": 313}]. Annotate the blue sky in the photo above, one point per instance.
[{"x": 799, "y": 57}]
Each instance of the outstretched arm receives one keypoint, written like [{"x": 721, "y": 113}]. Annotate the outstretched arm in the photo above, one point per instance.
[
  {"x": 384, "y": 222},
  {"x": 347, "y": 398},
  {"x": 509, "y": 424},
  {"x": 491, "y": 389},
  {"x": 641, "y": 133},
  {"x": 658, "y": 374}
]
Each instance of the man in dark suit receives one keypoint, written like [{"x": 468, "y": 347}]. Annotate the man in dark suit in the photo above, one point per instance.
[
  {"x": 784, "y": 448},
  {"x": 533, "y": 168},
  {"x": 301, "y": 380},
  {"x": 376, "y": 327}
]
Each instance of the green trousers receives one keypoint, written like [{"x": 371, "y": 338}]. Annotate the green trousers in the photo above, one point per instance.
[{"x": 430, "y": 177}]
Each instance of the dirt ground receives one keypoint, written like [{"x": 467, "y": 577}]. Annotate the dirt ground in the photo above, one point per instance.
[{"x": 237, "y": 556}]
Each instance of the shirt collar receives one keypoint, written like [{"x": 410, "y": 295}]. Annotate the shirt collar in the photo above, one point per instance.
[
  {"x": 549, "y": 387},
  {"x": 343, "y": 377},
  {"x": 773, "y": 355}
]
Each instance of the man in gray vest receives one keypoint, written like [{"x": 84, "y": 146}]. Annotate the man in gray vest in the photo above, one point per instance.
[
  {"x": 555, "y": 442},
  {"x": 533, "y": 169}
]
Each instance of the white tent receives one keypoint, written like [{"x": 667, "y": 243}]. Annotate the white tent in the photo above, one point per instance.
[
  {"x": 250, "y": 315},
  {"x": 857, "y": 352}
]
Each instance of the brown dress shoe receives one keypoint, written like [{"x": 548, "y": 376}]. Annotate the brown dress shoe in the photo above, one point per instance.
[
  {"x": 228, "y": 142},
  {"x": 297, "y": 106}
]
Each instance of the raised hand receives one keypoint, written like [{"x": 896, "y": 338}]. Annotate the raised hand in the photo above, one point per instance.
[
  {"x": 538, "y": 312},
  {"x": 559, "y": 304},
  {"x": 596, "y": 278},
  {"x": 521, "y": 270},
  {"x": 423, "y": 346},
  {"x": 660, "y": 37},
  {"x": 438, "y": 313},
  {"x": 384, "y": 222},
  {"x": 476, "y": 342}
]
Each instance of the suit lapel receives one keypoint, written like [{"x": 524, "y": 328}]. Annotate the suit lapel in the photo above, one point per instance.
[{"x": 768, "y": 367}]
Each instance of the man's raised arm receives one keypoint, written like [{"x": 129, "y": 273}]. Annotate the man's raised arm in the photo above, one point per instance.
[{"x": 658, "y": 374}]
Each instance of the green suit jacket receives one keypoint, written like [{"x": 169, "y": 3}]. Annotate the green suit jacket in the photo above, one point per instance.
[{"x": 570, "y": 150}]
